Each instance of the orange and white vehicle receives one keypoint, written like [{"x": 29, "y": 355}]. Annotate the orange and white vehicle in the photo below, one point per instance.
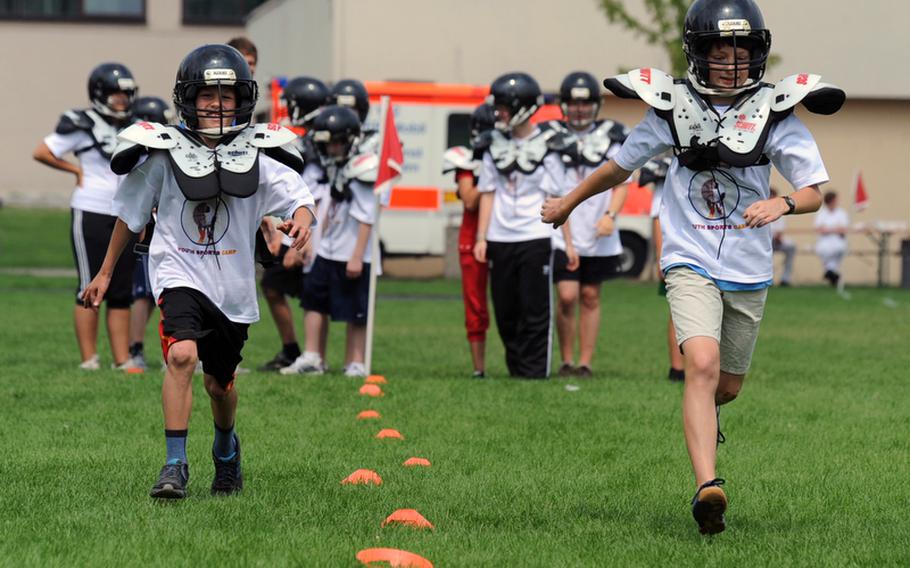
[{"x": 432, "y": 117}]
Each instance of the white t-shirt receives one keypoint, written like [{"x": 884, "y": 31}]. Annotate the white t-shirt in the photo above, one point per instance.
[
  {"x": 341, "y": 223},
  {"x": 583, "y": 220},
  {"x": 657, "y": 196},
  {"x": 312, "y": 176},
  {"x": 180, "y": 254},
  {"x": 518, "y": 197},
  {"x": 828, "y": 219},
  {"x": 99, "y": 183},
  {"x": 701, "y": 216}
]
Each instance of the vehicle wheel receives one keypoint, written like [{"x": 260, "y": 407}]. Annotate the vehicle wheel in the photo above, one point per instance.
[{"x": 634, "y": 254}]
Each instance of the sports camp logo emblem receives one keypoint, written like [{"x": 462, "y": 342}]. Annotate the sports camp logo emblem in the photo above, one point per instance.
[
  {"x": 716, "y": 195},
  {"x": 205, "y": 222}
]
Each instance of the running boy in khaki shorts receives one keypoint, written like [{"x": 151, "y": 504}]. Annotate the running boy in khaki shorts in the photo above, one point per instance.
[{"x": 726, "y": 128}]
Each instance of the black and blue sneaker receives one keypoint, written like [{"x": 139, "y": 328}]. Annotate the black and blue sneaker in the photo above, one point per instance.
[
  {"x": 172, "y": 482},
  {"x": 708, "y": 507},
  {"x": 228, "y": 475}
]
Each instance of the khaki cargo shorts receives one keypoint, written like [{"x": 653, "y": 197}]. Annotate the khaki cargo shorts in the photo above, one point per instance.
[{"x": 700, "y": 309}]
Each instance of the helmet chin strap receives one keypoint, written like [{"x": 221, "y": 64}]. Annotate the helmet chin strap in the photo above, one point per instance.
[{"x": 217, "y": 132}]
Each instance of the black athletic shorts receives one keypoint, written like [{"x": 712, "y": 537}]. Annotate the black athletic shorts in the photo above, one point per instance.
[
  {"x": 277, "y": 277},
  {"x": 89, "y": 236},
  {"x": 591, "y": 269},
  {"x": 189, "y": 314},
  {"x": 328, "y": 290}
]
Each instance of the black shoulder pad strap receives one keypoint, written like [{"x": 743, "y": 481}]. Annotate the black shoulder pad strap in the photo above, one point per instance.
[
  {"x": 72, "y": 121},
  {"x": 614, "y": 86},
  {"x": 125, "y": 160},
  {"x": 618, "y": 132},
  {"x": 286, "y": 157},
  {"x": 482, "y": 141},
  {"x": 825, "y": 100}
]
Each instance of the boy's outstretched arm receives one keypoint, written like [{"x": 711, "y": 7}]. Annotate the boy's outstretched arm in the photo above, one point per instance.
[
  {"x": 557, "y": 209},
  {"x": 94, "y": 292},
  {"x": 807, "y": 200}
]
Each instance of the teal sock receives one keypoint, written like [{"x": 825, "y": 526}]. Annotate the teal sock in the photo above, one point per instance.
[{"x": 176, "y": 446}]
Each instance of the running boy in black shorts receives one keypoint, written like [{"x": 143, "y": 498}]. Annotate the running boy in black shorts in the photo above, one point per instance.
[{"x": 213, "y": 178}]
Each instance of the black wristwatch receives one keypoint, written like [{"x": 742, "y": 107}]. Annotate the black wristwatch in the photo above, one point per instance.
[{"x": 791, "y": 205}]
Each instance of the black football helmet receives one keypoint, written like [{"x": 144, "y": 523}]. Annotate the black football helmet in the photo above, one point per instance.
[
  {"x": 737, "y": 22},
  {"x": 335, "y": 124},
  {"x": 353, "y": 94},
  {"x": 152, "y": 109},
  {"x": 483, "y": 119},
  {"x": 217, "y": 65},
  {"x": 107, "y": 79},
  {"x": 579, "y": 86},
  {"x": 519, "y": 93},
  {"x": 304, "y": 96}
]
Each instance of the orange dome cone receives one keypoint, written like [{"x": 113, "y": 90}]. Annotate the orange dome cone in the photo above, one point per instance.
[
  {"x": 389, "y": 433},
  {"x": 417, "y": 462},
  {"x": 371, "y": 390},
  {"x": 362, "y": 477},
  {"x": 368, "y": 415},
  {"x": 376, "y": 380},
  {"x": 394, "y": 557},
  {"x": 408, "y": 518}
]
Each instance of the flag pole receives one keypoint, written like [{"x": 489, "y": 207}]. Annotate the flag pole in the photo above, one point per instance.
[{"x": 375, "y": 261}]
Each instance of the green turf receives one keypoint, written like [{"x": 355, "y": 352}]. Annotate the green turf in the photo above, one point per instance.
[
  {"x": 524, "y": 473},
  {"x": 35, "y": 237}
]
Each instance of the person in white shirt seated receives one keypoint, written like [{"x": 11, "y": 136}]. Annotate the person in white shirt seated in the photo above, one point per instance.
[{"x": 831, "y": 224}]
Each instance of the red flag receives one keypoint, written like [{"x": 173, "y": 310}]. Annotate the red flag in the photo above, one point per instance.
[
  {"x": 391, "y": 157},
  {"x": 860, "y": 199}
]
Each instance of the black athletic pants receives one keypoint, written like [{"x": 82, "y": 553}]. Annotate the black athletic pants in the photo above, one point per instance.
[{"x": 520, "y": 282}]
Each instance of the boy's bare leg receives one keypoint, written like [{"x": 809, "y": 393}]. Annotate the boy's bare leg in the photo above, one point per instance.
[
  {"x": 567, "y": 292},
  {"x": 355, "y": 344},
  {"x": 86, "y": 324},
  {"x": 177, "y": 387},
  {"x": 223, "y": 401},
  {"x": 676, "y": 356},
  {"x": 478, "y": 354},
  {"x": 282, "y": 314},
  {"x": 589, "y": 323},
  {"x": 118, "y": 333},
  {"x": 699, "y": 409},
  {"x": 323, "y": 336},
  {"x": 140, "y": 312},
  {"x": 316, "y": 326}
]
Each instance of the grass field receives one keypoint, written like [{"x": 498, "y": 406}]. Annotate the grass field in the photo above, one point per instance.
[{"x": 524, "y": 473}]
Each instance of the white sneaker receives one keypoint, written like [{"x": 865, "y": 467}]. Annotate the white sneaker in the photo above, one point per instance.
[
  {"x": 355, "y": 369},
  {"x": 307, "y": 364},
  {"x": 93, "y": 363}
]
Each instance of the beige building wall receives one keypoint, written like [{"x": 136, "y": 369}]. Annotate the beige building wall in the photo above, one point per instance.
[
  {"x": 861, "y": 49},
  {"x": 46, "y": 67}
]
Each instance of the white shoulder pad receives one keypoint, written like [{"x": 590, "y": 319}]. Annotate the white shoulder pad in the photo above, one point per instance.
[
  {"x": 458, "y": 158},
  {"x": 148, "y": 134},
  {"x": 271, "y": 135},
  {"x": 653, "y": 86},
  {"x": 790, "y": 91},
  {"x": 362, "y": 168}
]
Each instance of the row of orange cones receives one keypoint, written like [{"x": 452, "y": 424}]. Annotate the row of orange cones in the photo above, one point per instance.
[{"x": 402, "y": 517}]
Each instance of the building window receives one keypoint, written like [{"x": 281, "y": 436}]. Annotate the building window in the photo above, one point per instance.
[
  {"x": 217, "y": 12},
  {"x": 128, "y": 11}
]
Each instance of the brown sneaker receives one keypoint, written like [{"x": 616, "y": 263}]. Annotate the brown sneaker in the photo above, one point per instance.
[
  {"x": 566, "y": 370},
  {"x": 709, "y": 506},
  {"x": 583, "y": 372}
]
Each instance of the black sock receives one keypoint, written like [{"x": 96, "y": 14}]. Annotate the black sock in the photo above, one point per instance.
[
  {"x": 676, "y": 374},
  {"x": 291, "y": 350},
  {"x": 136, "y": 349}
]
